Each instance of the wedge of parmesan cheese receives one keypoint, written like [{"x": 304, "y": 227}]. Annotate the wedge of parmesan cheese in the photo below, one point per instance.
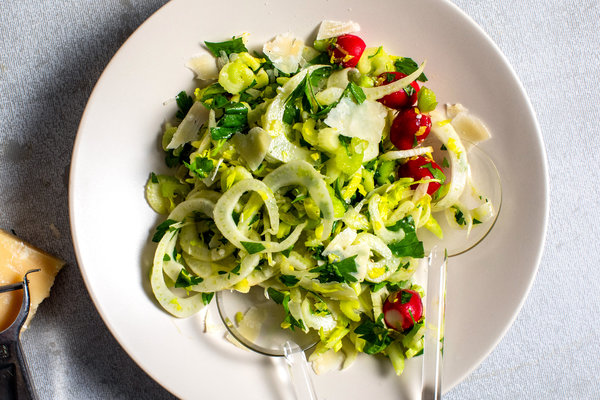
[
  {"x": 329, "y": 29},
  {"x": 16, "y": 258},
  {"x": 204, "y": 66},
  {"x": 365, "y": 121},
  {"x": 285, "y": 52},
  {"x": 470, "y": 127}
]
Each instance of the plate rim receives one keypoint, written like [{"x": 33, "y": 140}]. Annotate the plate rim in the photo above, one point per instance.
[{"x": 544, "y": 203}]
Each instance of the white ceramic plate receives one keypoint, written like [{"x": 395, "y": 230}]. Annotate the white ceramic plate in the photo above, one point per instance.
[{"x": 116, "y": 148}]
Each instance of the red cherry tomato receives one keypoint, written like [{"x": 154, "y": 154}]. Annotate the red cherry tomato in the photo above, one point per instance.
[
  {"x": 347, "y": 50},
  {"x": 400, "y": 99},
  {"x": 410, "y": 127},
  {"x": 402, "y": 309},
  {"x": 419, "y": 168}
]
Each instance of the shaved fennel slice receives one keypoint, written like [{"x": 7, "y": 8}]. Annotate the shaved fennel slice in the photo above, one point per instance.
[
  {"x": 295, "y": 306},
  {"x": 458, "y": 160},
  {"x": 298, "y": 172},
  {"x": 219, "y": 281},
  {"x": 314, "y": 320},
  {"x": 378, "y": 92},
  {"x": 191, "y": 244},
  {"x": 210, "y": 195},
  {"x": 228, "y": 228},
  {"x": 341, "y": 78},
  {"x": 206, "y": 268},
  {"x": 190, "y": 126},
  {"x": 261, "y": 274},
  {"x": 280, "y": 147},
  {"x": 187, "y": 207},
  {"x": 378, "y": 271},
  {"x": 378, "y": 225},
  {"x": 329, "y": 95},
  {"x": 344, "y": 239},
  {"x": 225, "y": 207},
  {"x": 181, "y": 307},
  {"x": 333, "y": 290},
  {"x": 188, "y": 239},
  {"x": 399, "y": 154}
]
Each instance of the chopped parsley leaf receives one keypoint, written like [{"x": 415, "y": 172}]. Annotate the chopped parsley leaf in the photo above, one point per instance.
[
  {"x": 185, "y": 279},
  {"x": 275, "y": 295},
  {"x": 287, "y": 251},
  {"x": 235, "y": 45},
  {"x": 236, "y": 217},
  {"x": 317, "y": 253},
  {"x": 289, "y": 280},
  {"x": 162, "y": 229},
  {"x": 289, "y": 320},
  {"x": 340, "y": 271},
  {"x": 459, "y": 216},
  {"x": 254, "y": 218},
  {"x": 357, "y": 93},
  {"x": 234, "y": 120},
  {"x": 253, "y": 247},
  {"x": 207, "y": 297},
  {"x": 200, "y": 167},
  {"x": 184, "y": 103},
  {"x": 375, "y": 334},
  {"x": 405, "y": 297},
  {"x": 408, "y": 66},
  {"x": 437, "y": 174},
  {"x": 410, "y": 245}
]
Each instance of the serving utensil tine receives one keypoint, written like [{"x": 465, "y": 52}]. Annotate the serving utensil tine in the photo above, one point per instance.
[{"x": 434, "y": 321}]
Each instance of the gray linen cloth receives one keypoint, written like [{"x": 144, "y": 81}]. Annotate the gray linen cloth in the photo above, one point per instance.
[{"x": 53, "y": 52}]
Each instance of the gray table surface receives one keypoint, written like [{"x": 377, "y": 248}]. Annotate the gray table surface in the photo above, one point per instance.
[{"x": 53, "y": 52}]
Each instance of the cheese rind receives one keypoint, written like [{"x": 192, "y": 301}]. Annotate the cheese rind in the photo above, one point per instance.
[{"x": 16, "y": 258}]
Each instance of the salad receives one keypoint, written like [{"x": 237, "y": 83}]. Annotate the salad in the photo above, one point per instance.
[{"x": 310, "y": 171}]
